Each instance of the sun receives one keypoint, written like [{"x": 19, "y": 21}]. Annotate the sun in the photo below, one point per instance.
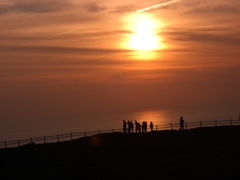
[
  {"x": 144, "y": 41},
  {"x": 144, "y": 36}
]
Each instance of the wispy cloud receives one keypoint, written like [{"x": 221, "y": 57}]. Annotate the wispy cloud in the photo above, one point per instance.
[
  {"x": 157, "y": 6},
  {"x": 223, "y": 36},
  {"x": 35, "y": 6},
  {"x": 216, "y": 7},
  {"x": 93, "y": 7},
  {"x": 124, "y": 8}
]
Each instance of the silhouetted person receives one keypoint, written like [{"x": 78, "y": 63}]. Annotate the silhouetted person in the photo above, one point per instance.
[
  {"x": 129, "y": 126},
  {"x": 136, "y": 126},
  {"x": 139, "y": 127},
  {"x": 124, "y": 126},
  {"x": 145, "y": 126},
  {"x": 151, "y": 126},
  {"x": 181, "y": 123},
  {"x": 131, "y": 123}
]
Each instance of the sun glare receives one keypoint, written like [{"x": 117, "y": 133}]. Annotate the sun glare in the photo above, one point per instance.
[
  {"x": 144, "y": 39},
  {"x": 144, "y": 35}
]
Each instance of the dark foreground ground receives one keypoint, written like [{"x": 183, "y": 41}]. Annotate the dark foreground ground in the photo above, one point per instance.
[{"x": 203, "y": 153}]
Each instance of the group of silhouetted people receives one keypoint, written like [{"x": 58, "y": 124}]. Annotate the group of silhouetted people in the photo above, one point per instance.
[{"x": 128, "y": 126}]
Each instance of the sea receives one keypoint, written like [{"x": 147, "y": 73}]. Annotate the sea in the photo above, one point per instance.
[{"x": 113, "y": 122}]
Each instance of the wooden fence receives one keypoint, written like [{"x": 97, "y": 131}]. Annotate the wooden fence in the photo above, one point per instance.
[{"x": 75, "y": 135}]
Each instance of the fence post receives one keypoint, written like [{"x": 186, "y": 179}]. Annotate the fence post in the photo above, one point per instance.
[
  {"x": 5, "y": 144},
  {"x": 186, "y": 125},
  {"x": 58, "y": 138},
  {"x": 85, "y": 133},
  {"x": 171, "y": 126},
  {"x": 156, "y": 127},
  {"x": 201, "y": 123},
  {"x": 71, "y": 136},
  {"x": 18, "y": 143},
  {"x": 44, "y": 139},
  {"x": 215, "y": 122}
]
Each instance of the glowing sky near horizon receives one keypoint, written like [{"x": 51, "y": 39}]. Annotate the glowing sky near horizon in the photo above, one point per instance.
[{"x": 75, "y": 65}]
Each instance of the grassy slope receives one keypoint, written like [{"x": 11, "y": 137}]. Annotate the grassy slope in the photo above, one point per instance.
[{"x": 198, "y": 153}]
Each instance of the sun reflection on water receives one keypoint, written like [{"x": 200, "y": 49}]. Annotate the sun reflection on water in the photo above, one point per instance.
[{"x": 156, "y": 116}]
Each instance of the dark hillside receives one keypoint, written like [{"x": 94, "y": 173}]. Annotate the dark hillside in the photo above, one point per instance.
[{"x": 202, "y": 153}]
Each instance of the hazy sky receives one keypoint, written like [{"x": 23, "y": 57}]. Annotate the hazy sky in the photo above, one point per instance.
[{"x": 68, "y": 61}]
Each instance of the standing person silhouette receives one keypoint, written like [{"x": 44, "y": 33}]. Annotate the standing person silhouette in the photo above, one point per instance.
[
  {"x": 151, "y": 126},
  {"x": 124, "y": 126},
  {"x": 181, "y": 123},
  {"x": 143, "y": 126},
  {"x": 146, "y": 126},
  {"x": 131, "y": 126},
  {"x": 136, "y": 125}
]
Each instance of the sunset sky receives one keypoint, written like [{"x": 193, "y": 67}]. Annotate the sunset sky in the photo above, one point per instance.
[{"x": 70, "y": 65}]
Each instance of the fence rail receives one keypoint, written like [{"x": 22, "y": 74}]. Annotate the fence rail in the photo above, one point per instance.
[{"x": 75, "y": 135}]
